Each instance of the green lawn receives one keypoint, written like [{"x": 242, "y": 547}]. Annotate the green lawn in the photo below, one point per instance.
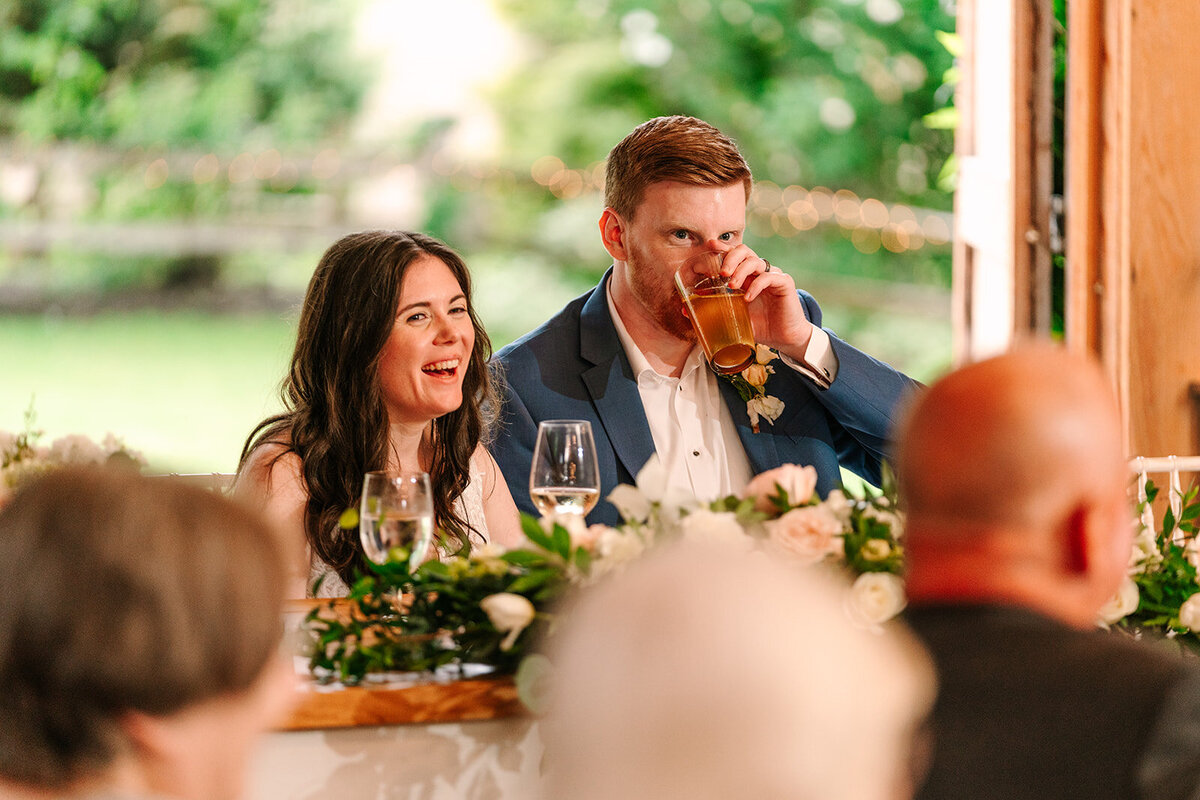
[{"x": 186, "y": 387}]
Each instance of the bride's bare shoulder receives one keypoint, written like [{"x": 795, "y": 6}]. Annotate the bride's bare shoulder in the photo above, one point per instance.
[{"x": 272, "y": 468}]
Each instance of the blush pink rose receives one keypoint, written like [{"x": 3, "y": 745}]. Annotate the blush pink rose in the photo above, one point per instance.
[
  {"x": 808, "y": 534},
  {"x": 798, "y": 482}
]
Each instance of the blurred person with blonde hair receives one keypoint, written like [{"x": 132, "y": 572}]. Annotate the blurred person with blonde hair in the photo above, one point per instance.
[
  {"x": 1018, "y": 531},
  {"x": 692, "y": 676},
  {"x": 140, "y": 627}
]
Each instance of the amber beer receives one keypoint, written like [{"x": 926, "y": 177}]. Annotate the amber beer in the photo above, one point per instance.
[{"x": 722, "y": 323}]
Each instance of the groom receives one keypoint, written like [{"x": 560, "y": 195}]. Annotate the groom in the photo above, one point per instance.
[{"x": 624, "y": 357}]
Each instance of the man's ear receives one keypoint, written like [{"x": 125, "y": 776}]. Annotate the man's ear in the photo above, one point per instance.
[
  {"x": 1079, "y": 533},
  {"x": 612, "y": 233},
  {"x": 150, "y": 737}
]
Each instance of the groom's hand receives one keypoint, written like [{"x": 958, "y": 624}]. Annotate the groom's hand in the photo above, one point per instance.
[{"x": 775, "y": 309}]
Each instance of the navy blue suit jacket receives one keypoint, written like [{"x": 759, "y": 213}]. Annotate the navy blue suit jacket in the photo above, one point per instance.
[{"x": 573, "y": 367}]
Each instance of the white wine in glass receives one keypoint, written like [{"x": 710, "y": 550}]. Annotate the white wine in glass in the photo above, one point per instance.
[
  {"x": 564, "y": 478},
  {"x": 396, "y": 518}
]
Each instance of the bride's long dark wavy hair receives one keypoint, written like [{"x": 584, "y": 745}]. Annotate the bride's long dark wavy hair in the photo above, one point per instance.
[{"x": 335, "y": 419}]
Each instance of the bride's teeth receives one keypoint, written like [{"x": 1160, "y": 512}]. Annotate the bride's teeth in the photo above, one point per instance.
[{"x": 441, "y": 366}]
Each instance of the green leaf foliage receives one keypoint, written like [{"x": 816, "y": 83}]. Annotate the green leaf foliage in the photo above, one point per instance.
[
  {"x": 432, "y": 617},
  {"x": 145, "y": 72},
  {"x": 1166, "y": 575}
]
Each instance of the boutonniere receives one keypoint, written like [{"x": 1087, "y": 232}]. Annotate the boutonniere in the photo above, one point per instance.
[{"x": 751, "y": 385}]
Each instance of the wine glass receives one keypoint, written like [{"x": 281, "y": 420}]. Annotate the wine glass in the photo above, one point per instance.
[
  {"x": 564, "y": 477},
  {"x": 395, "y": 520}
]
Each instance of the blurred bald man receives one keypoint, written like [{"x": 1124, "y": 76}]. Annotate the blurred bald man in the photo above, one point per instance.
[
  {"x": 725, "y": 692},
  {"x": 1018, "y": 531}
]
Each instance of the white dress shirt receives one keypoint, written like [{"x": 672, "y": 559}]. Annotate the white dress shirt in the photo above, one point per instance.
[{"x": 693, "y": 431}]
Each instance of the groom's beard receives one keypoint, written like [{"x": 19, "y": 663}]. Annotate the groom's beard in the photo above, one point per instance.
[{"x": 653, "y": 284}]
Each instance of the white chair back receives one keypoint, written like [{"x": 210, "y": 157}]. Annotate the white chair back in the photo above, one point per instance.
[
  {"x": 220, "y": 482},
  {"x": 1172, "y": 465}
]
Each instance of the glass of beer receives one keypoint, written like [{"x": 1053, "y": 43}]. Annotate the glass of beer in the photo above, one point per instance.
[{"x": 718, "y": 313}]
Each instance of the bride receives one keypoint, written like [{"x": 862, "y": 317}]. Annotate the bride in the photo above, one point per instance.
[{"x": 390, "y": 372}]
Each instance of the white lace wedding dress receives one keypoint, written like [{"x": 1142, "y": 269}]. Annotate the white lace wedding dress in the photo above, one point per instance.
[{"x": 469, "y": 506}]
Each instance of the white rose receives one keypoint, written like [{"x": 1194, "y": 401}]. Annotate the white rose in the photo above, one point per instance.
[
  {"x": 573, "y": 523},
  {"x": 703, "y": 525},
  {"x": 675, "y": 502},
  {"x": 756, "y": 374},
  {"x": 808, "y": 533},
  {"x": 76, "y": 449},
  {"x": 580, "y": 533},
  {"x": 1189, "y": 613},
  {"x": 763, "y": 354},
  {"x": 510, "y": 613},
  {"x": 630, "y": 502},
  {"x": 798, "y": 482},
  {"x": 488, "y": 551},
  {"x": 115, "y": 446},
  {"x": 1192, "y": 552},
  {"x": 876, "y": 597},
  {"x": 488, "y": 559},
  {"x": 652, "y": 479},
  {"x": 875, "y": 550},
  {"x": 880, "y": 515},
  {"x": 838, "y": 505},
  {"x": 1144, "y": 553},
  {"x": 768, "y": 407},
  {"x": 613, "y": 549},
  {"x": 1122, "y": 604},
  {"x": 589, "y": 536}
]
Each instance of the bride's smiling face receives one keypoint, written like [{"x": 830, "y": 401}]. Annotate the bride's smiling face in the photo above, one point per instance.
[{"x": 424, "y": 360}]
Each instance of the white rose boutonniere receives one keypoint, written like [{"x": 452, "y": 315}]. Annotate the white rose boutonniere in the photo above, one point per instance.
[
  {"x": 766, "y": 407},
  {"x": 751, "y": 386}
]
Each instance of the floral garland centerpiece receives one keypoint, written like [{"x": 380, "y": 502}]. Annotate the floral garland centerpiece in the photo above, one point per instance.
[
  {"x": 1160, "y": 595},
  {"x": 23, "y": 458},
  {"x": 492, "y": 607}
]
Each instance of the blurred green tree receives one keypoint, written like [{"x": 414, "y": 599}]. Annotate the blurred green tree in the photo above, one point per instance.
[
  {"x": 816, "y": 92},
  {"x": 157, "y": 72},
  {"x": 138, "y": 109}
]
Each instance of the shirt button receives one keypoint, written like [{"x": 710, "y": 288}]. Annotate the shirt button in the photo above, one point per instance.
[{"x": 696, "y": 452}]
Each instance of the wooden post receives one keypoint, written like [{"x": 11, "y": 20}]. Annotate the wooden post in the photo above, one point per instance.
[
  {"x": 1133, "y": 205},
  {"x": 1001, "y": 287}
]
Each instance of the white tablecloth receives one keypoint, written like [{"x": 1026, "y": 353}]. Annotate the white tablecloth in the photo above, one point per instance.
[{"x": 488, "y": 760}]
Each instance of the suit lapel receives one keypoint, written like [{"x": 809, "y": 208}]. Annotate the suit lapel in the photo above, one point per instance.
[
  {"x": 761, "y": 449},
  {"x": 612, "y": 388}
]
